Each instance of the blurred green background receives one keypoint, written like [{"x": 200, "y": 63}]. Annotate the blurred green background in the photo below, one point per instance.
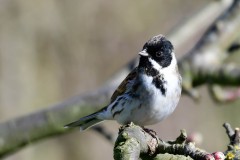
[{"x": 51, "y": 50}]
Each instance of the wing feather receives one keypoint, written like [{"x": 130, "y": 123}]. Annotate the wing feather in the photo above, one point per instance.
[{"x": 123, "y": 86}]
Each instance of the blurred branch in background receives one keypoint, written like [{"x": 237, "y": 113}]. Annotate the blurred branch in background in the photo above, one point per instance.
[
  {"x": 196, "y": 66},
  {"x": 205, "y": 62}
]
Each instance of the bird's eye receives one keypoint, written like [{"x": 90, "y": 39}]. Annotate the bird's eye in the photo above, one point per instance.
[{"x": 158, "y": 54}]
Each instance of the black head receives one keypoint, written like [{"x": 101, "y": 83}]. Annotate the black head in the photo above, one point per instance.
[{"x": 159, "y": 49}]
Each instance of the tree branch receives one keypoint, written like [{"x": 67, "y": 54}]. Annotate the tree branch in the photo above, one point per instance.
[
  {"x": 133, "y": 143},
  {"x": 19, "y": 132},
  {"x": 205, "y": 62}
]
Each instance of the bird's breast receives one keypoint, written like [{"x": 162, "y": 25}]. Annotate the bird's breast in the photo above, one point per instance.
[{"x": 159, "y": 97}]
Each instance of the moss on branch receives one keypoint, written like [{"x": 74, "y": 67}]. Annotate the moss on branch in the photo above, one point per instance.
[{"x": 134, "y": 142}]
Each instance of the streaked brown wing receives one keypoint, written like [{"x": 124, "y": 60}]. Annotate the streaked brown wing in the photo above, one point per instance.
[{"x": 122, "y": 87}]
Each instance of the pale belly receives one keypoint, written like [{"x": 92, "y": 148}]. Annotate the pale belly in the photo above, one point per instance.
[
  {"x": 151, "y": 106},
  {"x": 149, "y": 113}
]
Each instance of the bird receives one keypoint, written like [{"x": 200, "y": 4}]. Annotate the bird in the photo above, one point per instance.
[{"x": 149, "y": 93}]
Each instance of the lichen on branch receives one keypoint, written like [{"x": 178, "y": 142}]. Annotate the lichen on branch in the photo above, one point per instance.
[{"x": 134, "y": 142}]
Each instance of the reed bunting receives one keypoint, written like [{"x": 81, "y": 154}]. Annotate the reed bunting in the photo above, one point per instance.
[{"x": 148, "y": 94}]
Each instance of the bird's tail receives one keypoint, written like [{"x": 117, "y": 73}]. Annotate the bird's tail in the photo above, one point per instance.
[{"x": 85, "y": 122}]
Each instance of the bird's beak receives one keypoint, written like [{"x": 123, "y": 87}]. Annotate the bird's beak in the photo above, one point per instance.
[{"x": 143, "y": 53}]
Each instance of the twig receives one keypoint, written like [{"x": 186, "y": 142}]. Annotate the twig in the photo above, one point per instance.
[
  {"x": 103, "y": 132},
  {"x": 233, "y": 151},
  {"x": 234, "y": 135}
]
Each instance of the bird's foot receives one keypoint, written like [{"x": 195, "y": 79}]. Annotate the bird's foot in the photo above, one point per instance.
[{"x": 151, "y": 132}]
